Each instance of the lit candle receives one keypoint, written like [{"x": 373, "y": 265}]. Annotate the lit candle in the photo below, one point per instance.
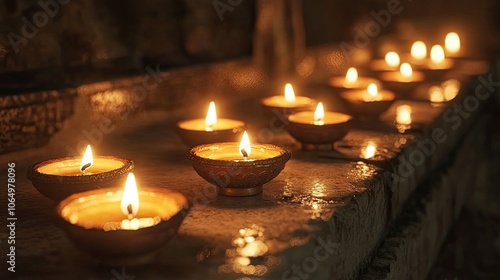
[
  {"x": 403, "y": 114},
  {"x": 418, "y": 51},
  {"x": 61, "y": 177},
  {"x": 238, "y": 169},
  {"x": 390, "y": 62},
  {"x": 435, "y": 68},
  {"x": 436, "y": 94},
  {"x": 452, "y": 43},
  {"x": 404, "y": 80},
  {"x": 319, "y": 127},
  {"x": 351, "y": 80},
  {"x": 209, "y": 130},
  {"x": 319, "y": 114},
  {"x": 368, "y": 102},
  {"x": 369, "y": 151},
  {"x": 287, "y": 103},
  {"x": 122, "y": 224},
  {"x": 392, "y": 59}
]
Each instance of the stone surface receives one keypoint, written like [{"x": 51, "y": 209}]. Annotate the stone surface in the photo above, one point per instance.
[{"x": 341, "y": 197}]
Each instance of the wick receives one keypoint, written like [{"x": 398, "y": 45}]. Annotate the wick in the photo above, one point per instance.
[
  {"x": 130, "y": 213},
  {"x": 85, "y": 167},
  {"x": 244, "y": 153}
]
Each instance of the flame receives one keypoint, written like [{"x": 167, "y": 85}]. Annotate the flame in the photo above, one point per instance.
[
  {"x": 418, "y": 50},
  {"x": 450, "y": 89},
  {"x": 406, "y": 70},
  {"x": 211, "y": 118},
  {"x": 403, "y": 115},
  {"x": 319, "y": 114},
  {"x": 289, "y": 94},
  {"x": 369, "y": 151},
  {"x": 372, "y": 90},
  {"x": 437, "y": 54},
  {"x": 87, "y": 160},
  {"x": 352, "y": 75},
  {"x": 245, "y": 148},
  {"x": 452, "y": 42},
  {"x": 436, "y": 94},
  {"x": 392, "y": 59},
  {"x": 130, "y": 198}
]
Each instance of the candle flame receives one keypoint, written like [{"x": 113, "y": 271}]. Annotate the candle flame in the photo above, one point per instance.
[
  {"x": 369, "y": 151},
  {"x": 436, "y": 94},
  {"x": 289, "y": 94},
  {"x": 452, "y": 42},
  {"x": 87, "y": 160},
  {"x": 211, "y": 118},
  {"x": 319, "y": 114},
  {"x": 450, "y": 89},
  {"x": 392, "y": 59},
  {"x": 130, "y": 198},
  {"x": 406, "y": 70},
  {"x": 437, "y": 54},
  {"x": 372, "y": 90},
  {"x": 352, "y": 75},
  {"x": 403, "y": 115},
  {"x": 418, "y": 50},
  {"x": 245, "y": 148}
]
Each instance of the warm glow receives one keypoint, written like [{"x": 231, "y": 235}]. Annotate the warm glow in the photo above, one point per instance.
[
  {"x": 352, "y": 75},
  {"x": 245, "y": 148},
  {"x": 372, "y": 90},
  {"x": 319, "y": 114},
  {"x": 130, "y": 198},
  {"x": 450, "y": 89},
  {"x": 436, "y": 94},
  {"x": 418, "y": 50},
  {"x": 369, "y": 151},
  {"x": 403, "y": 114},
  {"x": 452, "y": 42},
  {"x": 406, "y": 70},
  {"x": 289, "y": 94},
  {"x": 392, "y": 59},
  {"x": 87, "y": 160},
  {"x": 437, "y": 54},
  {"x": 211, "y": 118}
]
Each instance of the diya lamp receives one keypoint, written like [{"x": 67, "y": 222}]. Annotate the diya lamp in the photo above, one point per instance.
[
  {"x": 122, "y": 226},
  {"x": 369, "y": 102},
  {"x": 446, "y": 91},
  {"x": 351, "y": 80},
  {"x": 238, "y": 169},
  {"x": 61, "y": 177},
  {"x": 209, "y": 130},
  {"x": 438, "y": 65},
  {"x": 466, "y": 65},
  {"x": 404, "y": 81},
  {"x": 318, "y": 129},
  {"x": 390, "y": 62},
  {"x": 284, "y": 105}
]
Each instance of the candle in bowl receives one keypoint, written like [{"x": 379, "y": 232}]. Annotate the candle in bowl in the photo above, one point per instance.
[
  {"x": 465, "y": 64},
  {"x": 122, "y": 227},
  {"x": 318, "y": 129},
  {"x": 438, "y": 65},
  {"x": 238, "y": 169},
  {"x": 390, "y": 62},
  {"x": 282, "y": 106},
  {"x": 404, "y": 81},
  {"x": 61, "y": 177},
  {"x": 351, "y": 80},
  {"x": 369, "y": 102},
  {"x": 209, "y": 130}
]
